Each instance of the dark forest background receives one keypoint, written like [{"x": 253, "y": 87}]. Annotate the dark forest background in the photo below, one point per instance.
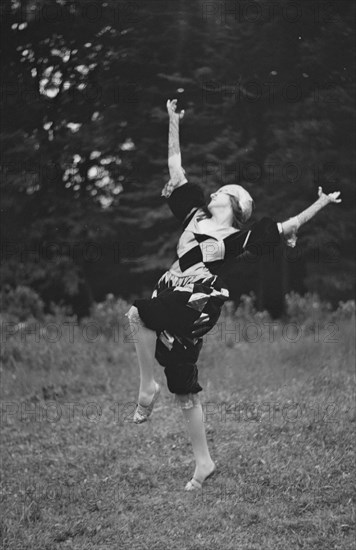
[{"x": 268, "y": 89}]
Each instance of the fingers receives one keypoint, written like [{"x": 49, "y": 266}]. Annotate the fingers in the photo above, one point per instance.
[
  {"x": 334, "y": 196},
  {"x": 172, "y": 104},
  {"x": 171, "y": 108}
]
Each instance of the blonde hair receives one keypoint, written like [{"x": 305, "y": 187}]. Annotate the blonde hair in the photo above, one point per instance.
[{"x": 240, "y": 216}]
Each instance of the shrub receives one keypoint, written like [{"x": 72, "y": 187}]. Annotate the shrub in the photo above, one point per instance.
[
  {"x": 246, "y": 310},
  {"x": 345, "y": 310},
  {"x": 108, "y": 315},
  {"x": 21, "y": 304},
  {"x": 301, "y": 309}
]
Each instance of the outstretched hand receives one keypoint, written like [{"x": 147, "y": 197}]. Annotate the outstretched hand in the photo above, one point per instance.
[
  {"x": 332, "y": 197},
  {"x": 171, "y": 108}
]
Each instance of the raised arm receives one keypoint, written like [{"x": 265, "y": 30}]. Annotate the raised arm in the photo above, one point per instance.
[
  {"x": 290, "y": 227},
  {"x": 176, "y": 171}
]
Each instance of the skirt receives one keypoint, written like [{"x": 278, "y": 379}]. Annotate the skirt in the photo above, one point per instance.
[{"x": 181, "y": 310}]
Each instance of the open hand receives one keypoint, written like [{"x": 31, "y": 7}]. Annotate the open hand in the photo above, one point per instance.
[
  {"x": 332, "y": 197},
  {"x": 171, "y": 108}
]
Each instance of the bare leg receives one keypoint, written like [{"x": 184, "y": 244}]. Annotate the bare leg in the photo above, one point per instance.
[
  {"x": 145, "y": 344},
  {"x": 196, "y": 428}
]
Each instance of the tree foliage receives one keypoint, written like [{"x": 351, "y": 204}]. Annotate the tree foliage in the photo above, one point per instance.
[{"x": 268, "y": 98}]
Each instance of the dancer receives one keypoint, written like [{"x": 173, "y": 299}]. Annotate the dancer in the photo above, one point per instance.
[{"x": 187, "y": 299}]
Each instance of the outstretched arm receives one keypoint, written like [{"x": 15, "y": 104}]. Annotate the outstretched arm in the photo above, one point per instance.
[
  {"x": 176, "y": 170},
  {"x": 290, "y": 227}
]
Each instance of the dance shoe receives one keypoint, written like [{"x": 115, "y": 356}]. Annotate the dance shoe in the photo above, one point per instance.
[
  {"x": 194, "y": 484},
  {"x": 142, "y": 412}
]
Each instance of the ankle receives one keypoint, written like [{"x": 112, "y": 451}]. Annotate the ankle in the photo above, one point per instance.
[
  {"x": 147, "y": 385},
  {"x": 147, "y": 389},
  {"x": 205, "y": 464}
]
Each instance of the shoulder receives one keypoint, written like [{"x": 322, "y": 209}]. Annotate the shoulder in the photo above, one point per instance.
[
  {"x": 194, "y": 216},
  {"x": 187, "y": 191},
  {"x": 263, "y": 234},
  {"x": 184, "y": 199},
  {"x": 264, "y": 225}
]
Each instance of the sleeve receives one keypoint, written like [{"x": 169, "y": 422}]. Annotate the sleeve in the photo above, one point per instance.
[
  {"x": 178, "y": 178},
  {"x": 258, "y": 240},
  {"x": 292, "y": 235},
  {"x": 185, "y": 199},
  {"x": 264, "y": 236}
]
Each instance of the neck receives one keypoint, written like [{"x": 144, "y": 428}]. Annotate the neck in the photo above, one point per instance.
[{"x": 221, "y": 217}]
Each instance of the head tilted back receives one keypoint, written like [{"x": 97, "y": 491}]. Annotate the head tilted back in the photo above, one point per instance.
[{"x": 243, "y": 197}]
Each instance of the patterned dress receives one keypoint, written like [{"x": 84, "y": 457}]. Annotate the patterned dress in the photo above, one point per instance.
[{"x": 189, "y": 294}]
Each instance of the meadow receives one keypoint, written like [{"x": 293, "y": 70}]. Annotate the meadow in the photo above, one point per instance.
[{"x": 279, "y": 407}]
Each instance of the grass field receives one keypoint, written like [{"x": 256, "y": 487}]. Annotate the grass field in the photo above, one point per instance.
[{"x": 280, "y": 417}]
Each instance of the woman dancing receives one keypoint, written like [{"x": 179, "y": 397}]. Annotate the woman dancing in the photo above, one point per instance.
[{"x": 187, "y": 300}]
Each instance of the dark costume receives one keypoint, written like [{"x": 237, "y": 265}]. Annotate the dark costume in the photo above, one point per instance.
[{"x": 192, "y": 290}]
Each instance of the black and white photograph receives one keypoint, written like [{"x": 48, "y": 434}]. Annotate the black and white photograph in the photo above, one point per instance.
[{"x": 177, "y": 277}]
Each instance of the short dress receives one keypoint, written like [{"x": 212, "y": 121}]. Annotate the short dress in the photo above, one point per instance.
[{"x": 189, "y": 293}]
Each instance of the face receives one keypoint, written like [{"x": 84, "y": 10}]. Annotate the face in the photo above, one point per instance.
[{"x": 219, "y": 199}]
